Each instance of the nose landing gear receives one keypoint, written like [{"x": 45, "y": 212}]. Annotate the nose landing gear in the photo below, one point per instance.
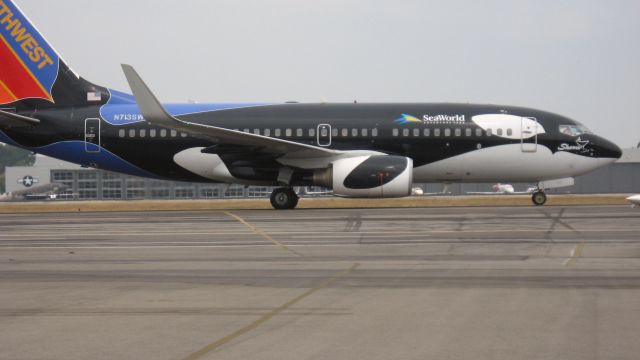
[
  {"x": 284, "y": 198},
  {"x": 539, "y": 198}
]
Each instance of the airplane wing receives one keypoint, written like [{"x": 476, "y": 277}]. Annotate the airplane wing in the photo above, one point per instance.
[
  {"x": 153, "y": 112},
  {"x": 10, "y": 120}
]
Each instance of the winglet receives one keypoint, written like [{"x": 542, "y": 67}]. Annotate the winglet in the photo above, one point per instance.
[{"x": 152, "y": 110}]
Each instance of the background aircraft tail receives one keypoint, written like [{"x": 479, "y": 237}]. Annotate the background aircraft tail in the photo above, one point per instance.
[{"x": 32, "y": 74}]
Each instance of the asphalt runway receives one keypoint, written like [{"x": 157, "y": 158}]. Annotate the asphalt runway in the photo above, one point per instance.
[{"x": 436, "y": 283}]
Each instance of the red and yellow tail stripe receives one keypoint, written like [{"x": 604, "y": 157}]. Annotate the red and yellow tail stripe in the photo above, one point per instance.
[{"x": 28, "y": 65}]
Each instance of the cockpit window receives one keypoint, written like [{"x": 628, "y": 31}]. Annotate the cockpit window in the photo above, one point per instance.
[{"x": 574, "y": 130}]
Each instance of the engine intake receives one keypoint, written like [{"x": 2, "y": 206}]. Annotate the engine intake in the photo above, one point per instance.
[{"x": 378, "y": 176}]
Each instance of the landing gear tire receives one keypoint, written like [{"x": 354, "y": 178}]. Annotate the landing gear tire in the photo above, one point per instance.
[
  {"x": 284, "y": 198},
  {"x": 539, "y": 198}
]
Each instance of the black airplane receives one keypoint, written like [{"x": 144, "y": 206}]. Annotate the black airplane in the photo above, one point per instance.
[{"x": 357, "y": 150}]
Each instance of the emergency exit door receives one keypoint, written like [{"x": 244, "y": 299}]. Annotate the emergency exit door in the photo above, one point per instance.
[
  {"x": 324, "y": 135},
  {"x": 529, "y": 134}
]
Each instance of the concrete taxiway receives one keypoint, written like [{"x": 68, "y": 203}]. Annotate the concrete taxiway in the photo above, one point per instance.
[{"x": 436, "y": 283}]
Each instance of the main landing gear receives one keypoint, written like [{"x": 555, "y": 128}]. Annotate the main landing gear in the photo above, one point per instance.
[
  {"x": 539, "y": 198},
  {"x": 284, "y": 198}
]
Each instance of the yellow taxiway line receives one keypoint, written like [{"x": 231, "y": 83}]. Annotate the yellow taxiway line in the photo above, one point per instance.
[{"x": 218, "y": 343}]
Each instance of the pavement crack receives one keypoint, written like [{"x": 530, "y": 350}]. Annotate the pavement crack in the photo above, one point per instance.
[
  {"x": 577, "y": 250},
  {"x": 266, "y": 236},
  {"x": 218, "y": 343}
]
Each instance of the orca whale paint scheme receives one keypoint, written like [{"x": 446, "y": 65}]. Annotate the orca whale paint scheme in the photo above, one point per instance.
[{"x": 358, "y": 150}]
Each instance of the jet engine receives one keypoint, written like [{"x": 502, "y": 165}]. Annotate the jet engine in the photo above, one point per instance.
[{"x": 376, "y": 176}]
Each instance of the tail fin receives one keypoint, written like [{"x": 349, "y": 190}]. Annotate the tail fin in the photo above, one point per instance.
[{"x": 32, "y": 74}]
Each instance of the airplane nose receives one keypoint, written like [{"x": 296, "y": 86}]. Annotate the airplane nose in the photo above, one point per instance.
[
  {"x": 613, "y": 149},
  {"x": 608, "y": 151}
]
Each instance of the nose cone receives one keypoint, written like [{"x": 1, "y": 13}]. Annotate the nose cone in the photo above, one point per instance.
[
  {"x": 612, "y": 150},
  {"x": 608, "y": 152}
]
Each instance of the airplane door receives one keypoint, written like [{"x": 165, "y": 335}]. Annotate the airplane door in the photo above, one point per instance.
[
  {"x": 92, "y": 135},
  {"x": 529, "y": 134},
  {"x": 324, "y": 135}
]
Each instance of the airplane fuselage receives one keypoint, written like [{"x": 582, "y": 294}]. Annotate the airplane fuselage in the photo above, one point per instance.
[{"x": 447, "y": 142}]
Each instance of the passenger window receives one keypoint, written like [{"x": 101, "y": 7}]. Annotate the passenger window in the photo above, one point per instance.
[
  {"x": 436, "y": 132},
  {"x": 374, "y": 132},
  {"x": 163, "y": 133},
  {"x": 478, "y": 132},
  {"x": 184, "y": 135},
  {"x": 416, "y": 132},
  {"x": 365, "y": 132},
  {"x": 479, "y": 146},
  {"x": 427, "y": 132},
  {"x": 354, "y": 132},
  {"x": 447, "y": 132},
  {"x": 299, "y": 132},
  {"x": 312, "y": 132},
  {"x": 345, "y": 132},
  {"x": 174, "y": 133},
  {"x": 288, "y": 132},
  {"x": 256, "y": 131},
  {"x": 395, "y": 132},
  {"x": 152, "y": 133},
  {"x": 509, "y": 132},
  {"x": 334, "y": 132},
  {"x": 499, "y": 132},
  {"x": 246, "y": 130},
  {"x": 267, "y": 132},
  {"x": 467, "y": 132},
  {"x": 489, "y": 132},
  {"x": 143, "y": 133},
  {"x": 405, "y": 132},
  {"x": 132, "y": 133},
  {"x": 458, "y": 131},
  {"x": 121, "y": 133}
]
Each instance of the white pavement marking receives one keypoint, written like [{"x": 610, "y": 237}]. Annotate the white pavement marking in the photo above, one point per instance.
[{"x": 571, "y": 253}]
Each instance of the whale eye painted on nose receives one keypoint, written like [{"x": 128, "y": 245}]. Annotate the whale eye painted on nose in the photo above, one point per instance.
[{"x": 523, "y": 127}]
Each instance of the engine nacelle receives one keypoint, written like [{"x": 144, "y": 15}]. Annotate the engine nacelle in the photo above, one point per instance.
[{"x": 377, "y": 176}]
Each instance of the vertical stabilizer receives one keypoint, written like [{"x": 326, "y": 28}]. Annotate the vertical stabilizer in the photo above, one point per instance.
[{"x": 32, "y": 74}]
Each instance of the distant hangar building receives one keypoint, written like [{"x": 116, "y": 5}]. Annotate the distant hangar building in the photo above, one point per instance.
[
  {"x": 621, "y": 177},
  {"x": 91, "y": 184}
]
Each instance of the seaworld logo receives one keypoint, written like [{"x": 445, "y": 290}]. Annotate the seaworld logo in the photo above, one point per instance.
[
  {"x": 431, "y": 119},
  {"x": 405, "y": 119}
]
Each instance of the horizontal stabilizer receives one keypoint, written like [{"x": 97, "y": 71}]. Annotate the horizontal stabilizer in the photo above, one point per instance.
[{"x": 11, "y": 120}]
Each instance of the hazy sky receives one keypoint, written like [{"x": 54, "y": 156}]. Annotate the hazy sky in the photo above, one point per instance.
[{"x": 579, "y": 58}]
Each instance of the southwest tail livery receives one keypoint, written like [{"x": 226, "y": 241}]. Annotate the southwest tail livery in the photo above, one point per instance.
[
  {"x": 357, "y": 150},
  {"x": 29, "y": 64},
  {"x": 32, "y": 73}
]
